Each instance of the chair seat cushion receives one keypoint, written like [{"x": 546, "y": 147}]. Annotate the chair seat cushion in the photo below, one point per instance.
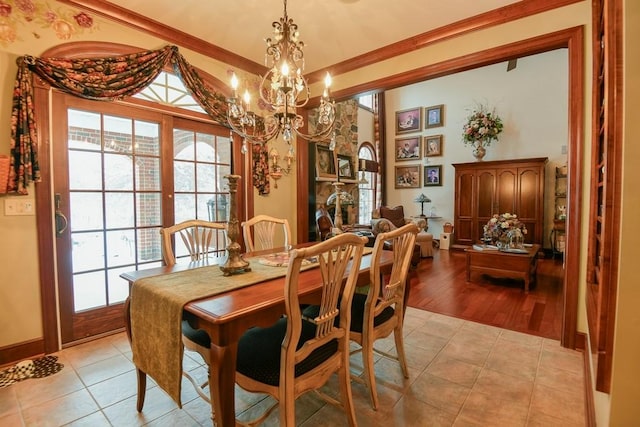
[
  {"x": 259, "y": 352},
  {"x": 357, "y": 313},
  {"x": 198, "y": 336}
]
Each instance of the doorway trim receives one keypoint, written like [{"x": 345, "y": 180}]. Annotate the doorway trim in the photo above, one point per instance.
[{"x": 571, "y": 39}]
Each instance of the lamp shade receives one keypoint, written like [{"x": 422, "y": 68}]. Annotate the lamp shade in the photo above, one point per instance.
[
  {"x": 345, "y": 199},
  {"x": 422, "y": 199}
]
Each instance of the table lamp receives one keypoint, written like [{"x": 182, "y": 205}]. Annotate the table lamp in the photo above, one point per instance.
[{"x": 422, "y": 199}]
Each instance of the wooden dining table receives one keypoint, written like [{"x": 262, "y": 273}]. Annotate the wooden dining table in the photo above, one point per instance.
[{"x": 226, "y": 316}]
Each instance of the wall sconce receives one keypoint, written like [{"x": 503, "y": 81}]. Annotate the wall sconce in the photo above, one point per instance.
[{"x": 277, "y": 171}]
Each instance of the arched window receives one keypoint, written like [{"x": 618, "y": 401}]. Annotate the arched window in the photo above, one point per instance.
[{"x": 366, "y": 185}]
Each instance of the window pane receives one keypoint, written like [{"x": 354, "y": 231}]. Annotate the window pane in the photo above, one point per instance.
[
  {"x": 183, "y": 146},
  {"x": 120, "y": 248},
  {"x": 184, "y": 176},
  {"x": 117, "y": 134},
  {"x": 84, "y": 130},
  {"x": 148, "y": 244},
  {"x": 87, "y": 251},
  {"x": 149, "y": 209},
  {"x": 85, "y": 170},
  {"x": 147, "y": 173},
  {"x": 206, "y": 174},
  {"x": 185, "y": 207},
  {"x": 118, "y": 173},
  {"x": 119, "y": 210},
  {"x": 222, "y": 183},
  {"x": 147, "y": 135},
  {"x": 85, "y": 211},
  {"x": 205, "y": 147},
  {"x": 223, "y": 150},
  {"x": 88, "y": 290}
]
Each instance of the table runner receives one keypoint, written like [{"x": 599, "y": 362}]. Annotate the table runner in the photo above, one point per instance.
[
  {"x": 156, "y": 308},
  {"x": 156, "y": 314}
]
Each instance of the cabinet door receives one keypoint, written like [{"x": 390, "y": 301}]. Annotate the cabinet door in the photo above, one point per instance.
[
  {"x": 506, "y": 191},
  {"x": 465, "y": 208},
  {"x": 486, "y": 193},
  {"x": 529, "y": 203}
]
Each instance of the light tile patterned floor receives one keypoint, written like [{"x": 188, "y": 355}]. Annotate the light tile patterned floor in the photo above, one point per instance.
[{"x": 460, "y": 374}]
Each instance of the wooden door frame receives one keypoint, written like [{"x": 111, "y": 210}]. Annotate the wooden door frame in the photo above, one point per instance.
[{"x": 571, "y": 39}]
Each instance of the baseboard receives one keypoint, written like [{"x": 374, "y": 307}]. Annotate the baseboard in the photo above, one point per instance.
[
  {"x": 589, "y": 405},
  {"x": 25, "y": 350}
]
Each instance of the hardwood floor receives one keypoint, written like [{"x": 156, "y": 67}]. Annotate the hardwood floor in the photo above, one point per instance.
[{"x": 439, "y": 285}]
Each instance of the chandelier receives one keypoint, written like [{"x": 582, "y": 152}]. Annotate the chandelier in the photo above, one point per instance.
[{"x": 283, "y": 89}]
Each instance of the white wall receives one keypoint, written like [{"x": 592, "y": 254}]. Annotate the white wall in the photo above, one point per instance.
[{"x": 532, "y": 102}]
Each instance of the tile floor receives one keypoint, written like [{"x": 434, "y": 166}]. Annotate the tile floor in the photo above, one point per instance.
[{"x": 461, "y": 374}]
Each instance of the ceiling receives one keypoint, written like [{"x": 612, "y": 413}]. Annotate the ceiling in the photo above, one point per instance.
[{"x": 332, "y": 30}]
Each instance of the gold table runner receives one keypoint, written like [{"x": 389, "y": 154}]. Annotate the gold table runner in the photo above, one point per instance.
[{"x": 156, "y": 314}]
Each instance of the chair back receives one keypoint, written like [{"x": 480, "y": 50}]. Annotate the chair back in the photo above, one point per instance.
[
  {"x": 334, "y": 257},
  {"x": 264, "y": 234},
  {"x": 385, "y": 292},
  {"x": 199, "y": 238}
]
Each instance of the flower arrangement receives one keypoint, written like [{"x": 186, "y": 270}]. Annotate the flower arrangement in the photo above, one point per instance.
[
  {"x": 483, "y": 126},
  {"x": 498, "y": 227}
]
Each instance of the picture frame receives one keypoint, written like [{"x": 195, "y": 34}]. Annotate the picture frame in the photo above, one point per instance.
[
  {"x": 345, "y": 167},
  {"x": 433, "y": 176},
  {"x": 408, "y": 120},
  {"x": 434, "y": 116},
  {"x": 408, "y": 148},
  {"x": 325, "y": 162},
  {"x": 407, "y": 176},
  {"x": 432, "y": 145}
]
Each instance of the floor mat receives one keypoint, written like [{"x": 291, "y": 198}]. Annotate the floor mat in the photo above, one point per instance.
[{"x": 36, "y": 368}]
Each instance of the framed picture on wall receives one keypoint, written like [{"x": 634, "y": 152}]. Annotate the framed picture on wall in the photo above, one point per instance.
[
  {"x": 432, "y": 145},
  {"x": 325, "y": 163},
  {"x": 408, "y": 176},
  {"x": 407, "y": 148},
  {"x": 345, "y": 167},
  {"x": 434, "y": 116},
  {"x": 433, "y": 176},
  {"x": 408, "y": 121}
]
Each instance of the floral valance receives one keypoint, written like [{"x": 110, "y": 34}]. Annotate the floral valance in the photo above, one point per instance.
[{"x": 104, "y": 79}]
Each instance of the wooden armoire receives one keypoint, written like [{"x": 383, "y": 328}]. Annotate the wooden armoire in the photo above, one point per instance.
[{"x": 486, "y": 188}]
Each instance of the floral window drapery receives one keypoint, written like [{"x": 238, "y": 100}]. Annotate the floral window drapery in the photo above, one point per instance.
[{"x": 105, "y": 79}]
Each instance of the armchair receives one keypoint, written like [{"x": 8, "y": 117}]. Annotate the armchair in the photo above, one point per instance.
[{"x": 387, "y": 219}]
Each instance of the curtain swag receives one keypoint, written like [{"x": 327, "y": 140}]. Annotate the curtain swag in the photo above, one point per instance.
[{"x": 103, "y": 79}]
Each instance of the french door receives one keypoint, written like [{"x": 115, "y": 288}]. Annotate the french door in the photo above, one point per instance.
[{"x": 120, "y": 174}]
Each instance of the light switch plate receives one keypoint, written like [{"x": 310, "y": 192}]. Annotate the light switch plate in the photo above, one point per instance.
[{"x": 16, "y": 206}]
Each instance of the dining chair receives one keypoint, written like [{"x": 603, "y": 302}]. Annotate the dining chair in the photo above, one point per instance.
[
  {"x": 380, "y": 311},
  {"x": 264, "y": 229},
  {"x": 198, "y": 237},
  {"x": 297, "y": 354}
]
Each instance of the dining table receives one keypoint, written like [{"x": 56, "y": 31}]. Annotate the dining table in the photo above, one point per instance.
[{"x": 227, "y": 315}]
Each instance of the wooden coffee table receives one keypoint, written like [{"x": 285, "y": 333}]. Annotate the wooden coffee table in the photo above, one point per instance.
[{"x": 504, "y": 264}]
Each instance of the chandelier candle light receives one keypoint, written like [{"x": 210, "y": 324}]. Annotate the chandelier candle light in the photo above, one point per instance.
[{"x": 283, "y": 89}]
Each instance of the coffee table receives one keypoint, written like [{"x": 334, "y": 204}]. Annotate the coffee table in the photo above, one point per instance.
[{"x": 504, "y": 264}]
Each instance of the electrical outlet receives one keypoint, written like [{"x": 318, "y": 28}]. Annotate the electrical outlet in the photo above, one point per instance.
[
  {"x": 19, "y": 207},
  {"x": 563, "y": 149}
]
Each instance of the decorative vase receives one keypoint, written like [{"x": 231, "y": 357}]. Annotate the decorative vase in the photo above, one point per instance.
[
  {"x": 479, "y": 151},
  {"x": 516, "y": 238}
]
